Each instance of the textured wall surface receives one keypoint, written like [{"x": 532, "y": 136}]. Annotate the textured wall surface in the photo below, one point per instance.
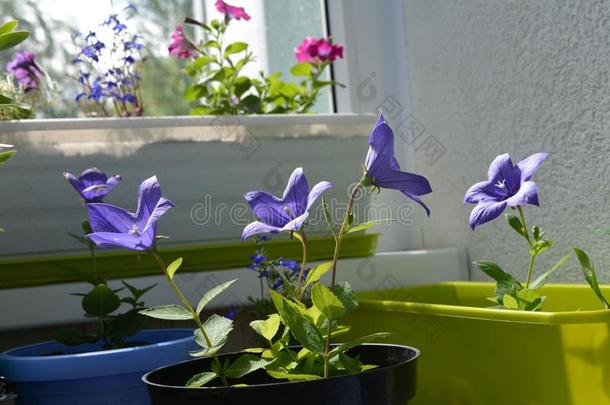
[{"x": 489, "y": 77}]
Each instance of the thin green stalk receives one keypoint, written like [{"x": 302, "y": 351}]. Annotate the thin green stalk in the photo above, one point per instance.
[
  {"x": 530, "y": 269},
  {"x": 303, "y": 238},
  {"x": 193, "y": 312},
  {"x": 338, "y": 242},
  {"x": 527, "y": 234}
]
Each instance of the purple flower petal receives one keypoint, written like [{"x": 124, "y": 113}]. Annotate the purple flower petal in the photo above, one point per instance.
[
  {"x": 109, "y": 218},
  {"x": 481, "y": 191},
  {"x": 296, "y": 223},
  {"x": 257, "y": 227},
  {"x": 500, "y": 168},
  {"x": 149, "y": 194},
  {"x": 316, "y": 192},
  {"x": 267, "y": 208},
  {"x": 527, "y": 194},
  {"x": 529, "y": 165},
  {"x": 161, "y": 208},
  {"x": 486, "y": 211},
  {"x": 295, "y": 193},
  {"x": 106, "y": 240},
  {"x": 74, "y": 181},
  {"x": 419, "y": 201},
  {"x": 381, "y": 150},
  {"x": 408, "y": 183},
  {"x": 92, "y": 176}
]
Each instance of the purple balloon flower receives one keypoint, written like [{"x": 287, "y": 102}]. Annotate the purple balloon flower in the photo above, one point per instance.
[
  {"x": 114, "y": 226},
  {"x": 287, "y": 213},
  {"x": 507, "y": 186},
  {"x": 93, "y": 185},
  {"x": 383, "y": 170},
  {"x": 26, "y": 71}
]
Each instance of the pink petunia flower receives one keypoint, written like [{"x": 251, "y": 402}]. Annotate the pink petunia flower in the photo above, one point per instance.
[
  {"x": 238, "y": 13},
  {"x": 316, "y": 50},
  {"x": 180, "y": 46}
]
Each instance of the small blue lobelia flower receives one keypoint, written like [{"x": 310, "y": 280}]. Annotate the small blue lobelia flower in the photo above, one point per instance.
[
  {"x": 287, "y": 213},
  {"x": 92, "y": 184},
  {"x": 114, "y": 226},
  {"x": 508, "y": 185},
  {"x": 383, "y": 171}
]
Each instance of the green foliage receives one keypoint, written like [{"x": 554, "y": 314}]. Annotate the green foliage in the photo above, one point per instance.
[
  {"x": 213, "y": 293},
  {"x": 217, "y": 329},
  {"x": 170, "y": 312},
  {"x": 588, "y": 271},
  {"x": 10, "y": 107},
  {"x": 219, "y": 87}
]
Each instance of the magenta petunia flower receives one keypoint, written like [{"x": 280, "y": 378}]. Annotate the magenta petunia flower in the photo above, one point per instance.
[
  {"x": 288, "y": 213},
  {"x": 92, "y": 184},
  {"x": 23, "y": 66},
  {"x": 383, "y": 171},
  {"x": 114, "y": 226},
  {"x": 238, "y": 13},
  {"x": 507, "y": 185},
  {"x": 316, "y": 50},
  {"x": 180, "y": 46}
]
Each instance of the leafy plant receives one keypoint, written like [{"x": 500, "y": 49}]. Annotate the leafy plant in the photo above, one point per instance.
[
  {"x": 9, "y": 38},
  {"x": 220, "y": 86}
]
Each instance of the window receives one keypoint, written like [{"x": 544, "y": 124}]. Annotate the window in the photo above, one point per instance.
[{"x": 274, "y": 31}]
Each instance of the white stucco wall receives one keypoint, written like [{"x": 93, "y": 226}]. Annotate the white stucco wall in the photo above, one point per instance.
[{"x": 491, "y": 76}]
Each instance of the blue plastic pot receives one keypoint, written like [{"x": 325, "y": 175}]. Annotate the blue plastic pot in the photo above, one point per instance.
[{"x": 91, "y": 376}]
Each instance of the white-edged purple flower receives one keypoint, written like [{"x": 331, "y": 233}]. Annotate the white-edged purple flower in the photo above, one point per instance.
[
  {"x": 507, "y": 185},
  {"x": 93, "y": 185},
  {"x": 114, "y": 226},
  {"x": 288, "y": 213},
  {"x": 383, "y": 171}
]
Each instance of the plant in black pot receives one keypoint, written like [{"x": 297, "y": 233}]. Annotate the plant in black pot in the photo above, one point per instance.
[{"x": 301, "y": 360}]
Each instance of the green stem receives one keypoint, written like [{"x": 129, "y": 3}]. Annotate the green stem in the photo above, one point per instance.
[
  {"x": 338, "y": 242},
  {"x": 303, "y": 238},
  {"x": 530, "y": 269},
  {"x": 193, "y": 312}
]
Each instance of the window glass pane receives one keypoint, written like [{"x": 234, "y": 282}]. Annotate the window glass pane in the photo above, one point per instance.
[{"x": 275, "y": 29}]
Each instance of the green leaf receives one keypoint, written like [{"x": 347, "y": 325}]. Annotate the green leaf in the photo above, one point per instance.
[
  {"x": 541, "y": 280},
  {"x": 505, "y": 283},
  {"x": 7, "y": 102},
  {"x": 218, "y": 329},
  {"x": 327, "y": 302},
  {"x": 516, "y": 224},
  {"x": 540, "y": 246},
  {"x": 245, "y": 364},
  {"x": 213, "y": 293},
  {"x": 342, "y": 348},
  {"x": 136, "y": 292},
  {"x": 101, "y": 301},
  {"x": 588, "y": 272},
  {"x": 194, "y": 93},
  {"x": 11, "y": 39},
  {"x": 267, "y": 328},
  {"x": 242, "y": 84},
  {"x": 169, "y": 312},
  {"x": 235, "y": 47},
  {"x": 4, "y": 156},
  {"x": 281, "y": 375},
  {"x": 368, "y": 224},
  {"x": 347, "y": 296},
  {"x": 201, "y": 379},
  {"x": 289, "y": 90},
  {"x": 317, "y": 272},
  {"x": 303, "y": 69},
  {"x": 252, "y": 103},
  {"x": 301, "y": 327},
  {"x": 73, "y": 338},
  {"x": 173, "y": 267},
  {"x": 8, "y": 26},
  {"x": 211, "y": 44},
  {"x": 510, "y": 302}
]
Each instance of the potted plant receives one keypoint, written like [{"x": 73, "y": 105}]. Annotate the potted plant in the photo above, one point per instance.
[
  {"x": 105, "y": 365},
  {"x": 220, "y": 86},
  {"x": 301, "y": 357},
  {"x": 548, "y": 341}
]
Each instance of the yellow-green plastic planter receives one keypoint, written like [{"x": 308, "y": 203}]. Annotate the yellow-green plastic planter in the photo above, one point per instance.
[{"x": 475, "y": 355}]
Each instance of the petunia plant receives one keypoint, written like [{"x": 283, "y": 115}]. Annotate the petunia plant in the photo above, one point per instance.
[
  {"x": 217, "y": 69},
  {"x": 102, "y": 302},
  {"x": 511, "y": 186},
  {"x": 315, "y": 322}
]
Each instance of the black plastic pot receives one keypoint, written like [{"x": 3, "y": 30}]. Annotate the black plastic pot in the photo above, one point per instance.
[{"x": 392, "y": 383}]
